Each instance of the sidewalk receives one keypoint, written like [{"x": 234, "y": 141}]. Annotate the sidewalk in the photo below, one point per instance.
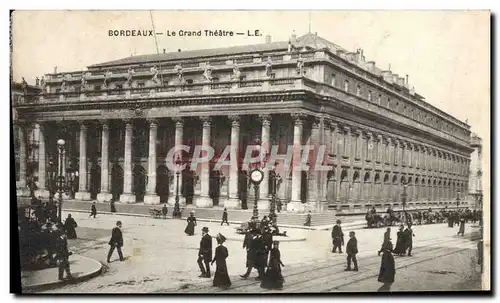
[{"x": 82, "y": 268}]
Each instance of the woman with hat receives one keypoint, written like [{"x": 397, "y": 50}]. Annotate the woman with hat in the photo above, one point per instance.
[
  {"x": 221, "y": 277},
  {"x": 400, "y": 242},
  {"x": 191, "y": 220},
  {"x": 387, "y": 268},
  {"x": 273, "y": 278}
]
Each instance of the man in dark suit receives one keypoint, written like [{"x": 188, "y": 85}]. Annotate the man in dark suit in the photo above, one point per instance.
[
  {"x": 224, "y": 217},
  {"x": 93, "y": 210},
  {"x": 164, "y": 211},
  {"x": 205, "y": 253},
  {"x": 116, "y": 241},
  {"x": 409, "y": 238},
  {"x": 351, "y": 250},
  {"x": 337, "y": 237},
  {"x": 63, "y": 257}
]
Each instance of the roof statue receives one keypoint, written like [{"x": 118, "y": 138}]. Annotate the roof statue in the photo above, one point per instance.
[
  {"x": 236, "y": 72},
  {"x": 25, "y": 85},
  {"x": 180, "y": 73},
  {"x": 208, "y": 73},
  {"x": 300, "y": 66},
  {"x": 130, "y": 75},
  {"x": 107, "y": 76},
  {"x": 269, "y": 64},
  {"x": 154, "y": 71},
  {"x": 83, "y": 81},
  {"x": 43, "y": 83}
]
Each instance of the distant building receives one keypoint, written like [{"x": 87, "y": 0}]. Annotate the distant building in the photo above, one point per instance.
[
  {"x": 382, "y": 139},
  {"x": 475, "y": 196}
]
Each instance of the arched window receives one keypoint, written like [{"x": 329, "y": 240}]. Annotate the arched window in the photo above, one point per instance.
[{"x": 346, "y": 85}]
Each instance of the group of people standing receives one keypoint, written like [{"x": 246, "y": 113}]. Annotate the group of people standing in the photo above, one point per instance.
[{"x": 351, "y": 247}]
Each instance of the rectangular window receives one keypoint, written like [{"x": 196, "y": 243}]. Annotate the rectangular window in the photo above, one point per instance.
[
  {"x": 346, "y": 85},
  {"x": 141, "y": 85},
  {"x": 97, "y": 87},
  {"x": 358, "y": 90},
  {"x": 119, "y": 87},
  {"x": 189, "y": 81},
  {"x": 334, "y": 80},
  {"x": 379, "y": 101},
  {"x": 369, "y": 95}
]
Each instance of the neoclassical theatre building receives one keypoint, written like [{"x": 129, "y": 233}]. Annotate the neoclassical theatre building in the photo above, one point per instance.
[{"x": 119, "y": 119}]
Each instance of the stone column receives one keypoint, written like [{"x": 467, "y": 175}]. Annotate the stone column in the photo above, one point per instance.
[
  {"x": 179, "y": 134},
  {"x": 104, "y": 195},
  {"x": 313, "y": 180},
  {"x": 233, "y": 200},
  {"x": 369, "y": 150},
  {"x": 328, "y": 150},
  {"x": 396, "y": 152},
  {"x": 42, "y": 173},
  {"x": 359, "y": 144},
  {"x": 127, "y": 196},
  {"x": 263, "y": 202},
  {"x": 380, "y": 149},
  {"x": 22, "y": 190},
  {"x": 295, "y": 203},
  {"x": 151, "y": 197},
  {"x": 334, "y": 137},
  {"x": 83, "y": 193},
  {"x": 347, "y": 143},
  {"x": 204, "y": 199},
  {"x": 388, "y": 153}
]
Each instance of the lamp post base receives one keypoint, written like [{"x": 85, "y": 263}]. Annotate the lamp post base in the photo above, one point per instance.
[
  {"x": 104, "y": 197},
  {"x": 152, "y": 199},
  {"x": 171, "y": 200},
  {"x": 82, "y": 195}
]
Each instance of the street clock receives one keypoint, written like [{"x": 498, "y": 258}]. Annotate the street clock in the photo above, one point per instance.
[{"x": 256, "y": 176}]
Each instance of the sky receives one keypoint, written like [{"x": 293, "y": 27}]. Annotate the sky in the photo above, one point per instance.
[{"x": 445, "y": 53}]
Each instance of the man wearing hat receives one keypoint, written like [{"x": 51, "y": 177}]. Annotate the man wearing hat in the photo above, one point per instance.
[
  {"x": 116, "y": 241},
  {"x": 337, "y": 237},
  {"x": 205, "y": 253},
  {"x": 351, "y": 250},
  {"x": 387, "y": 240}
]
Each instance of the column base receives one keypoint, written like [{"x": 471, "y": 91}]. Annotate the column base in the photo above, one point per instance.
[
  {"x": 152, "y": 199},
  {"x": 82, "y": 195},
  {"x": 171, "y": 200},
  {"x": 312, "y": 206},
  {"x": 127, "y": 198},
  {"x": 204, "y": 202},
  {"x": 263, "y": 204},
  {"x": 23, "y": 192},
  {"x": 295, "y": 206},
  {"x": 232, "y": 203},
  {"x": 42, "y": 193},
  {"x": 104, "y": 197}
]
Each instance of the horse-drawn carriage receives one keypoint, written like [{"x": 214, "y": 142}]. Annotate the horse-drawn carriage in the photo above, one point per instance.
[{"x": 155, "y": 213}]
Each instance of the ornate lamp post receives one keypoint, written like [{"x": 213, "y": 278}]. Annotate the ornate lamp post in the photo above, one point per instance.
[
  {"x": 177, "y": 209},
  {"x": 256, "y": 176},
  {"x": 458, "y": 199},
  {"x": 61, "y": 186},
  {"x": 275, "y": 181}
]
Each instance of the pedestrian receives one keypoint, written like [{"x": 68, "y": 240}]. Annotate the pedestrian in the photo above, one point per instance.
[
  {"x": 409, "y": 239},
  {"x": 387, "y": 240},
  {"x": 260, "y": 252},
  {"x": 308, "y": 219},
  {"x": 273, "y": 279},
  {"x": 164, "y": 211},
  {"x": 116, "y": 241},
  {"x": 224, "y": 217},
  {"x": 267, "y": 237},
  {"x": 191, "y": 223},
  {"x": 112, "y": 206},
  {"x": 62, "y": 257},
  {"x": 337, "y": 237},
  {"x": 387, "y": 268},
  {"x": 247, "y": 244},
  {"x": 93, "y": 210},
  {"x": 461, "y": 229},
  {"x": 205, "y": 253},
  {"x": 69, "y": 227},
  {"x": 400, "y": 242},
  {"x": 351, "y": 250},
  {"x": 221, "y": 276}
]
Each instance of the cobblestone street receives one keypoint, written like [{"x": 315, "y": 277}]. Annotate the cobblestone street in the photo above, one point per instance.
[{"x": 161, "y": 258}]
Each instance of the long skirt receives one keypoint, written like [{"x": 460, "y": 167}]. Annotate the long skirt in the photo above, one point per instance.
[
  {"x": 400, "y": 246},
  {"x": 272, "y": 278},
  {"x": 221, "y": 277},
  {"x": 71, "y": 233},
  {"x": 189, "y": 229},
  {"x": 387, "y": 268}
]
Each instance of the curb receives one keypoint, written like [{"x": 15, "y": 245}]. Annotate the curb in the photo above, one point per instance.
[{"x": 58, "y": 283}]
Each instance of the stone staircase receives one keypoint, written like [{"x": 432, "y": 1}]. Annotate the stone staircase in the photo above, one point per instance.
[{"x": 208, "y": 214}]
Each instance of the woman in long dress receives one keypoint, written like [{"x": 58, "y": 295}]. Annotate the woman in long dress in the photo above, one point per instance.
[
  {"x": 387, "y": 268},
  {"x": 69, "y": 227},
  {"x": 400, "y": 242},
  {"x": 221, "y": 277},
  {"x": 273, "y": 278},
  {"x": 191, "y": 220}
]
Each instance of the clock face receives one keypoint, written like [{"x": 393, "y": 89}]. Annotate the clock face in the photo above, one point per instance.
[{"x": 256, "y": 176}]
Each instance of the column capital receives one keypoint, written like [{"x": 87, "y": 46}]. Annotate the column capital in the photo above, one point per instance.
[
  {"x": 152, "y": 122},
  {"x": 298, "y": 118},
  {"x": 207, "y": 120},
  {"x": 327, "y": 124},
  {"x": 346, "y": 128},
  {"x": 235, "y": 120},
  {"x": 265, "y": 119},
  {"x": 179, "y": 122},
  {"x": 380, "y": 137},
  {"x": 103, "y": 122},
  {"x": 83, "y": 125},
  {"x": 316, "y": 121},
  {"x": 358, "y": 131},
  {"x": 333, "y": 124},
  {"x": 127, "y": 121}
]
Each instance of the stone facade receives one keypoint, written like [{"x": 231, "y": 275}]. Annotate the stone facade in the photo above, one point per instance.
[
  {"x": 476, "y": 173},
  {"x": 121, "y": 118}
]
